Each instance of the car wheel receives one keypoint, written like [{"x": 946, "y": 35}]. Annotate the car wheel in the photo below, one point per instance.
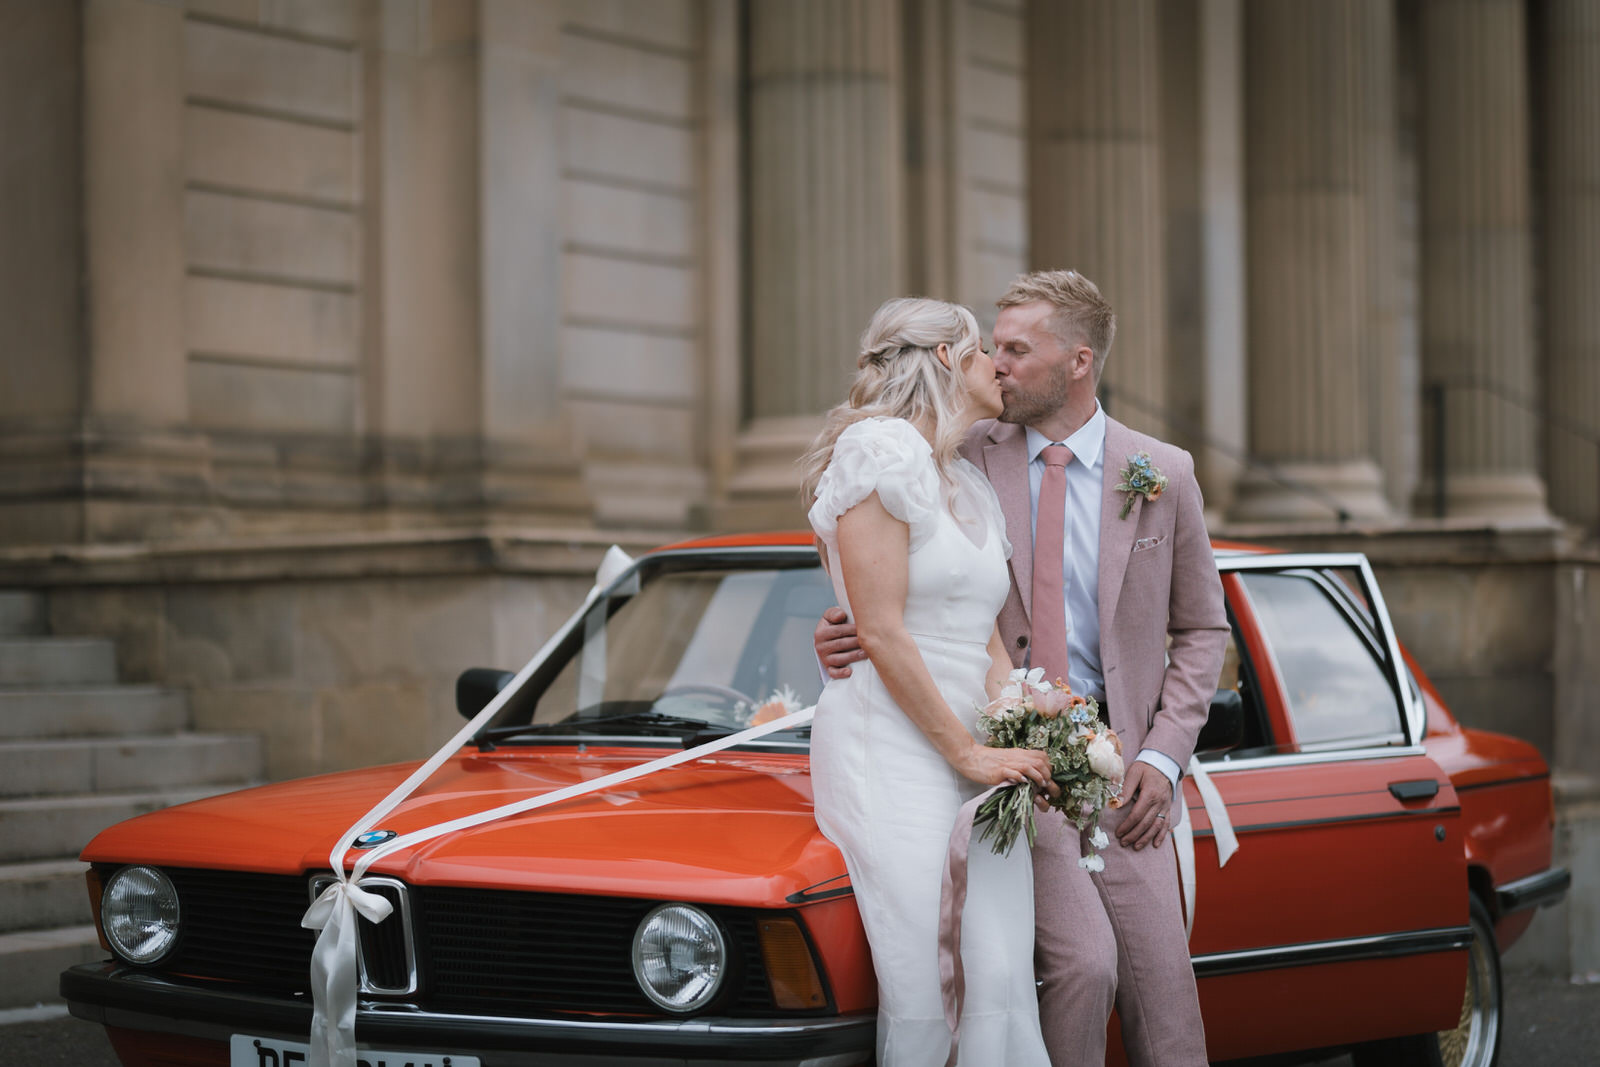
[{"x": 1475, "y": 1041}]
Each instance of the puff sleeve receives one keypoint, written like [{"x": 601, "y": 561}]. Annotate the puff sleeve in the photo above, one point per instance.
[{"x": 886, "y": 456}]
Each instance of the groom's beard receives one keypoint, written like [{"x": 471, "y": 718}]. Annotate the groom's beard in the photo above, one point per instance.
[{"x": 1025, "y": 407}]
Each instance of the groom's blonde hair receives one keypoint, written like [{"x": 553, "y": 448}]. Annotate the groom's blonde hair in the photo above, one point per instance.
[
  {"x": 1081, "y": 316},
  {"x": 899, "y": 375}
]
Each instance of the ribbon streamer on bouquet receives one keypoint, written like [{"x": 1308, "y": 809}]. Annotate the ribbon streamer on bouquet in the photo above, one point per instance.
[
  {"x": 952, "y": 902},
  {"x": 334, "y": 914},
  {"x": 1183, "y": 837}
]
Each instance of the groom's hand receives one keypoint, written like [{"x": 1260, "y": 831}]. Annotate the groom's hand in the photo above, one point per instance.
[
  {"x": 1151, "y": 796},
  {"x": 836, "y": 643}
]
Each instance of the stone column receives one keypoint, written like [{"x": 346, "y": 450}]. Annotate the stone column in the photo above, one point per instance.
[
  {"x": 1393, "y": 370},
  {"x": 1222, "y": 224},
  {"x": 1571, "y": 246},
  {"x": 42, "y": 363},
  {"x": 1094, "y": 179},
  {"x": 1306, "y": 65},
  {"x": 134, "y": 219},
  {"x": 826, "y": 205},
  {"x": 530, "y": 449},
  {"x": 1477, "y": 260},
  {"x": 423, "y": 150},
  {"x": 463, "y": 369}
]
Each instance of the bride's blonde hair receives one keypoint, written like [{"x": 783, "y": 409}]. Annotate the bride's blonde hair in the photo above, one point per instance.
[{"x": 899, "y": 375}]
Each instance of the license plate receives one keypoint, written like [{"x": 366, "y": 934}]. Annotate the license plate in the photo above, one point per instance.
[{"x": 246, "y": 1050}]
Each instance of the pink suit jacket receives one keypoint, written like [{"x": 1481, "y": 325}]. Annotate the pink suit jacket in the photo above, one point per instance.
[{"x": 1158, "y": 577}]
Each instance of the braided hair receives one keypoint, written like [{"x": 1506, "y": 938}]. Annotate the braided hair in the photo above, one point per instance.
[{"x": 899, "y": 375}]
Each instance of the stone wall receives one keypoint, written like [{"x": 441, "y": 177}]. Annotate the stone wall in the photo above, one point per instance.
[{"x": 338, "y": 652}]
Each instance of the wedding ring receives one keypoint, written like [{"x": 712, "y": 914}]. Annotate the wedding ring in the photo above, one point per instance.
[{"x": 1160, "y": 815}]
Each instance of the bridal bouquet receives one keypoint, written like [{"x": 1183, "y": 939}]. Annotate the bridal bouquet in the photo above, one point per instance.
[{"x": 1085, "y": 758}]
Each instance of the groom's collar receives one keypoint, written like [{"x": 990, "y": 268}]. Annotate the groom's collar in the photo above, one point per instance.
[{"x": 1087, "y": 442}]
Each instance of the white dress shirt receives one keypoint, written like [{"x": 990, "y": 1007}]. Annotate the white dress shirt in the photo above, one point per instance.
[{"x": 1080, "y": 559}]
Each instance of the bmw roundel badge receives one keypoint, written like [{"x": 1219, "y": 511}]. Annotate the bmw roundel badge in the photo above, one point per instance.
[{"x": 373, "y": 838}]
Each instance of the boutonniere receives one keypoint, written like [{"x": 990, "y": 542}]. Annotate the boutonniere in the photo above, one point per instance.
[{"x": 1140, "y": 477}]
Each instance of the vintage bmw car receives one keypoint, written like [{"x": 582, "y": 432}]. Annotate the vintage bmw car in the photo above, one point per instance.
[{"x": 1386, "y": 855}]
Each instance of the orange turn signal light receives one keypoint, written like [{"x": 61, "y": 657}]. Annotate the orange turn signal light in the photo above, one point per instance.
[
  {"x": 96, "y": 892},
  {"x": 790, "y": 969}
]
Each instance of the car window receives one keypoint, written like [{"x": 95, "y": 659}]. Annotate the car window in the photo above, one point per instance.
[
  {"x": 1238, "y": 678},
  {"x": 718, "y": 645},
  {"x": 1319, "y": 636}
]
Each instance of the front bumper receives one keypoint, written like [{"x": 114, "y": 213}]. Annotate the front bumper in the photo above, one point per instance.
[{"x": 118, "y": 996}]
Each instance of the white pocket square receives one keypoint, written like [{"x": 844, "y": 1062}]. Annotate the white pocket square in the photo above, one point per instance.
[{"x": 1148, "y": 542}]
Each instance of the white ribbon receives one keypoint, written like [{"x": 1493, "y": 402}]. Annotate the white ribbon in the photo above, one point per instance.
[
  {"x": 1183, "y": 837},
  {"x": 333, "y": 914},
  {"x": 333, "y": 969}
]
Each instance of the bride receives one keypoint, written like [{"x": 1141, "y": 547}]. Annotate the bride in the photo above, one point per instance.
[{"x": 914, "y": 540}]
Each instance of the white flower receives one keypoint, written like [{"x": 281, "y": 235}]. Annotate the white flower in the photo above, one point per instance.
[
  {"x": 1021, "y": 678},
  {"x": 1103, "y": 758},
  {"x": 1092, "y": 863},
  {"x": 787, "y": 697},
  {"x": 1099, "y": 839}
]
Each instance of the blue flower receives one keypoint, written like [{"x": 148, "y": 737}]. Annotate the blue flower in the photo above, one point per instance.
[{"x": 1140, "y": 478}]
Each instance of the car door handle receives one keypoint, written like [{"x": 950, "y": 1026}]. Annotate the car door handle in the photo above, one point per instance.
[{"x": 1415, "y": 789}]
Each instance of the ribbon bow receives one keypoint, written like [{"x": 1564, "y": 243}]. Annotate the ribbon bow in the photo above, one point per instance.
[{"x": 333, "y": 968}]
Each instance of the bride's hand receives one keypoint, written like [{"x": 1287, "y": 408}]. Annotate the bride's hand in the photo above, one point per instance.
[{"x": 1006, "y": 766}]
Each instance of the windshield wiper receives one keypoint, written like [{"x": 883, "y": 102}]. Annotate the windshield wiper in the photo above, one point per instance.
[{"x": 648, "y": 722}]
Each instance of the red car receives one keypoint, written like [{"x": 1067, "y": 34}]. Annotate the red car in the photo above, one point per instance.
[{"x": 1386, "y": 854}]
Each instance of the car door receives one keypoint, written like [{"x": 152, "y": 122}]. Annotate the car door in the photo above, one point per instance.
[{"x": 1343, "y": 914}]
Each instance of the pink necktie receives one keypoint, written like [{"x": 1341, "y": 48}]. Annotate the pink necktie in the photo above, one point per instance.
[{"x": 1049, "y": 640}]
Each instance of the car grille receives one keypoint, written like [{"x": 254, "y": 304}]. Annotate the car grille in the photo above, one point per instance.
[
  {"x": 490, "y": 948},
  {"x": 478, "y": 950},
  {"x": 244, "y": 927}
]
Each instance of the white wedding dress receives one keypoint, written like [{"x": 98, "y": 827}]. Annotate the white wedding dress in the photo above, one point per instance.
[{"x": 886, "y": 796}]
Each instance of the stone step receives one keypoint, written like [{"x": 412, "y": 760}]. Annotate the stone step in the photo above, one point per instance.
[
  {"x": 44, "y": 828},
  {"x": 96, "y": 765},
  {"x": 74, "y": 712},
  {"x": 21, "y": 613},
  {"x": 57, "y": 661},
  {"x": 43, "y": 894},
  {"x": 31, "y": 962}
]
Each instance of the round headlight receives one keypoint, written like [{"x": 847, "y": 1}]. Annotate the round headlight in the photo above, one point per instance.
[
  {"x": 679, "y": 957},
  {"x": 139, "y": 913}
]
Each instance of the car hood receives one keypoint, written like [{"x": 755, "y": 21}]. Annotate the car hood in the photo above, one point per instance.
[{"x": 734, "y": 828}]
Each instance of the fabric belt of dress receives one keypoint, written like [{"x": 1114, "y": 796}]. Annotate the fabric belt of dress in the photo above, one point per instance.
[
  {"x": 952, "y": 901},
  {"x": 1048, "y": 643}
]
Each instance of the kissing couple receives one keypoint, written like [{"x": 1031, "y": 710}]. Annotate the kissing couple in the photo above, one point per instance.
[{"x": 979, "y": 512}]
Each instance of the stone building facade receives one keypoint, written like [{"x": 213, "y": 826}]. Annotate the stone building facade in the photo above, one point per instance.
[{"x": 343, "y": 335}]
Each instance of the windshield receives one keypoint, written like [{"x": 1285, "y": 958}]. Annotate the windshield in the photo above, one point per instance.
[{"x": 678, "y": 648}]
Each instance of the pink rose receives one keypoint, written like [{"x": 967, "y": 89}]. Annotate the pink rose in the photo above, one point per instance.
[{"x": 1052, "y": 702}]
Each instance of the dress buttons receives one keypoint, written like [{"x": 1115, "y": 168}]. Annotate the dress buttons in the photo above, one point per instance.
[{"x": 1022, "y": 642}]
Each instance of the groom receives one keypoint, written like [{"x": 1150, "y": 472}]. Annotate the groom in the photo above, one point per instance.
[{"x": 1117, "y": 592}]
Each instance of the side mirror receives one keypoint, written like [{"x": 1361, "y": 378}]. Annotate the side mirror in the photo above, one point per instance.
[
  {"x": 477, "y": 686},
  {"x": 1224, "y": 728}
]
